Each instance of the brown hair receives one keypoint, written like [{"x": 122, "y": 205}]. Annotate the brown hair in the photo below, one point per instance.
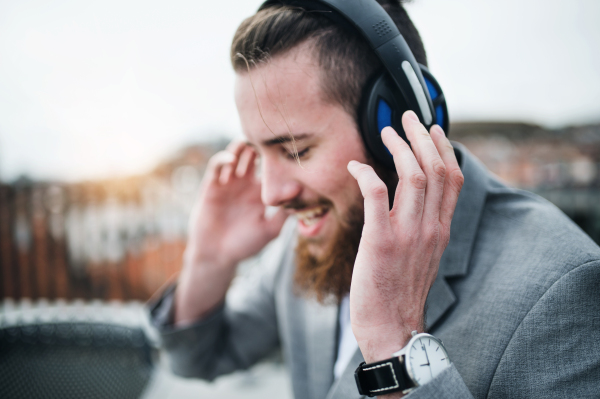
[{"x": 345, "y": 59}]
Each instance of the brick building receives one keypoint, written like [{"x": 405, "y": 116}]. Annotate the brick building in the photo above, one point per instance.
[{"x": 113, "y": 239}]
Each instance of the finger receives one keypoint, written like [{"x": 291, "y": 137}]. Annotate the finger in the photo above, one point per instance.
[
  {"x": 431, "y": 163},
  {"x": 216, "y": 164},
  {"x": 245, "y": 162},
  {"x": 374, "y": 191},
  {"x": 410, "y": 193},
  {"x": 226, "y": 172},
  {"x": 235, "y": 147},
  {"x": 415, "y": 131},
  {"x": 454, "y": 177}
]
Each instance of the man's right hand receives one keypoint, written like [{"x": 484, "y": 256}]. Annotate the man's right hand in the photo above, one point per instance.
[{"x": 228, "y": 224}]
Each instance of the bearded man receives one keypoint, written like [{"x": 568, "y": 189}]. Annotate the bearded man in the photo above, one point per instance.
[{"x": 512, "y": 289}]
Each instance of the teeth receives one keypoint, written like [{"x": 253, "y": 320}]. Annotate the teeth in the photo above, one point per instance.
[
  {"x": 309, "y": 222},
  {"x": 311, "y": 216}
]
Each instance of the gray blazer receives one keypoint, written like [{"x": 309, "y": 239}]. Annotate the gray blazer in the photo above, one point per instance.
[{"x": 516, "y": 303}]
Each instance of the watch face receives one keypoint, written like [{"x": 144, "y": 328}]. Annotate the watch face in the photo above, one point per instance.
[{"x": 426, "y": 357}]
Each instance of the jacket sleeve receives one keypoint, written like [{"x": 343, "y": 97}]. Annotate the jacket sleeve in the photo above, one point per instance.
[
  {"x": 447, "y": 385},
  {"x": 554, "y": 352},
  {"x": 233, "y": 337}
]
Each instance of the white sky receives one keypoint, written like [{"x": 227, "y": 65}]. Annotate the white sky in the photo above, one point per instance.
[{"x": 94, "y": 89}]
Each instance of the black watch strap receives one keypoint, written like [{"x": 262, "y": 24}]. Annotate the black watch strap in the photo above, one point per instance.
[{"x": 383, "y": 377}]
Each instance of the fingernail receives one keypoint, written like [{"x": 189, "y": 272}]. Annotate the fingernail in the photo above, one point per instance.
[
  {"x": 352, "y": 163},
  {"x": 413, "y": 116}
]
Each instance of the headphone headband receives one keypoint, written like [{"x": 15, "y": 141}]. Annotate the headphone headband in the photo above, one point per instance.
[{"x": 374, "y": 24}]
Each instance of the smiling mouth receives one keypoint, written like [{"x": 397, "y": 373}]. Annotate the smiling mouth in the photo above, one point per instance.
[{"x": 310, "y": 217}]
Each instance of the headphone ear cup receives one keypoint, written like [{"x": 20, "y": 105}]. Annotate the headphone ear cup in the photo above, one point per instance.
[{"x": 382, "y": 105}]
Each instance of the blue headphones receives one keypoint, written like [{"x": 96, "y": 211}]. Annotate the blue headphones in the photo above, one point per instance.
[{"x": 402, "y": 85}]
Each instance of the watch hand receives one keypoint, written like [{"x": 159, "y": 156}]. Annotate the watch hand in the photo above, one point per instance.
[
  {"x": 425, "y": 350},
  {"x": 427, "y": 357}
]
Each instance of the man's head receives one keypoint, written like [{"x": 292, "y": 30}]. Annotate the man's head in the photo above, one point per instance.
[
  {"x": 345, "y": 59},
  {"x": 299, "y": 83}
]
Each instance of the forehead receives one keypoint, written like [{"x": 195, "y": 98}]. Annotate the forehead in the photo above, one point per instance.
[{"x": 283, "y": 95}]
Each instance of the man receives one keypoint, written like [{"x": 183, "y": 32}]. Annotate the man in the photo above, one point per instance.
[{"x": 511, "y": 289}]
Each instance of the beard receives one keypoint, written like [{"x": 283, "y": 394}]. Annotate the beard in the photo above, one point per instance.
[{"x": 328, "y": 275}]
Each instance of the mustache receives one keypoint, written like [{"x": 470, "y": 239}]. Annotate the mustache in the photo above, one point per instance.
[{"x": 298, "y": 203}]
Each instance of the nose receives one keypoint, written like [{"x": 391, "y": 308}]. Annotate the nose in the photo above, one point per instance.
[{"x": 278, "y": 185}]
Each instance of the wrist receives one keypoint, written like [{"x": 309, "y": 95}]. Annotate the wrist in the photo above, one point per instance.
[
  {"x": 195, "y": 259},
  {"x": 382, "y": 341},
  {"x": 200, "y": 290},
  {"x": 421, "y": 360},
  {"x": 382, "y": 347}
]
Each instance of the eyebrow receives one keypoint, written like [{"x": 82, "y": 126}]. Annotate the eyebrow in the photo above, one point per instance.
[{"x": 285, "y": 138}]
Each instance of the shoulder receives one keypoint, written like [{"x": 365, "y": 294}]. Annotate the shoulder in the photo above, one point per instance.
[
  {"x": 518, "y": 238},
  {"x": 524, "y": 247},
  {"x": 529, "y": 291},
  {"x": 536, "y": 233}
]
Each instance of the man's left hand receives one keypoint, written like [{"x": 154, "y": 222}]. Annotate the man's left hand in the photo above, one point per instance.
[{"x": 400, "y": 250}]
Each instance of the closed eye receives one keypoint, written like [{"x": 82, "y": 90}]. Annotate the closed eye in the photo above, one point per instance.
[{"x": 301, "y": 153}]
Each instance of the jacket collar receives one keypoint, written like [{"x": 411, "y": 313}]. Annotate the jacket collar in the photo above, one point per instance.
[{"x": 467, "y": 215}]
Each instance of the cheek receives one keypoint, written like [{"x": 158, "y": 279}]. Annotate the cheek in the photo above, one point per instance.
[{"x": 338, "y": 184}]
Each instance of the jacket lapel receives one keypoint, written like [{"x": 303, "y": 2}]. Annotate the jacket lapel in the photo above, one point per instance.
[
  {"x": 321, "y": 338},
  {"x": 455, "y": 260}
]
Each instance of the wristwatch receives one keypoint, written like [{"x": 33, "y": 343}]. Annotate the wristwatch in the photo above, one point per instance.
[{"x": 420, "y": 361}]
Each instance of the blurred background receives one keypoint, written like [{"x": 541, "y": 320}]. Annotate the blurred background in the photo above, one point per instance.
[{"x": 109, "y": 111}]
